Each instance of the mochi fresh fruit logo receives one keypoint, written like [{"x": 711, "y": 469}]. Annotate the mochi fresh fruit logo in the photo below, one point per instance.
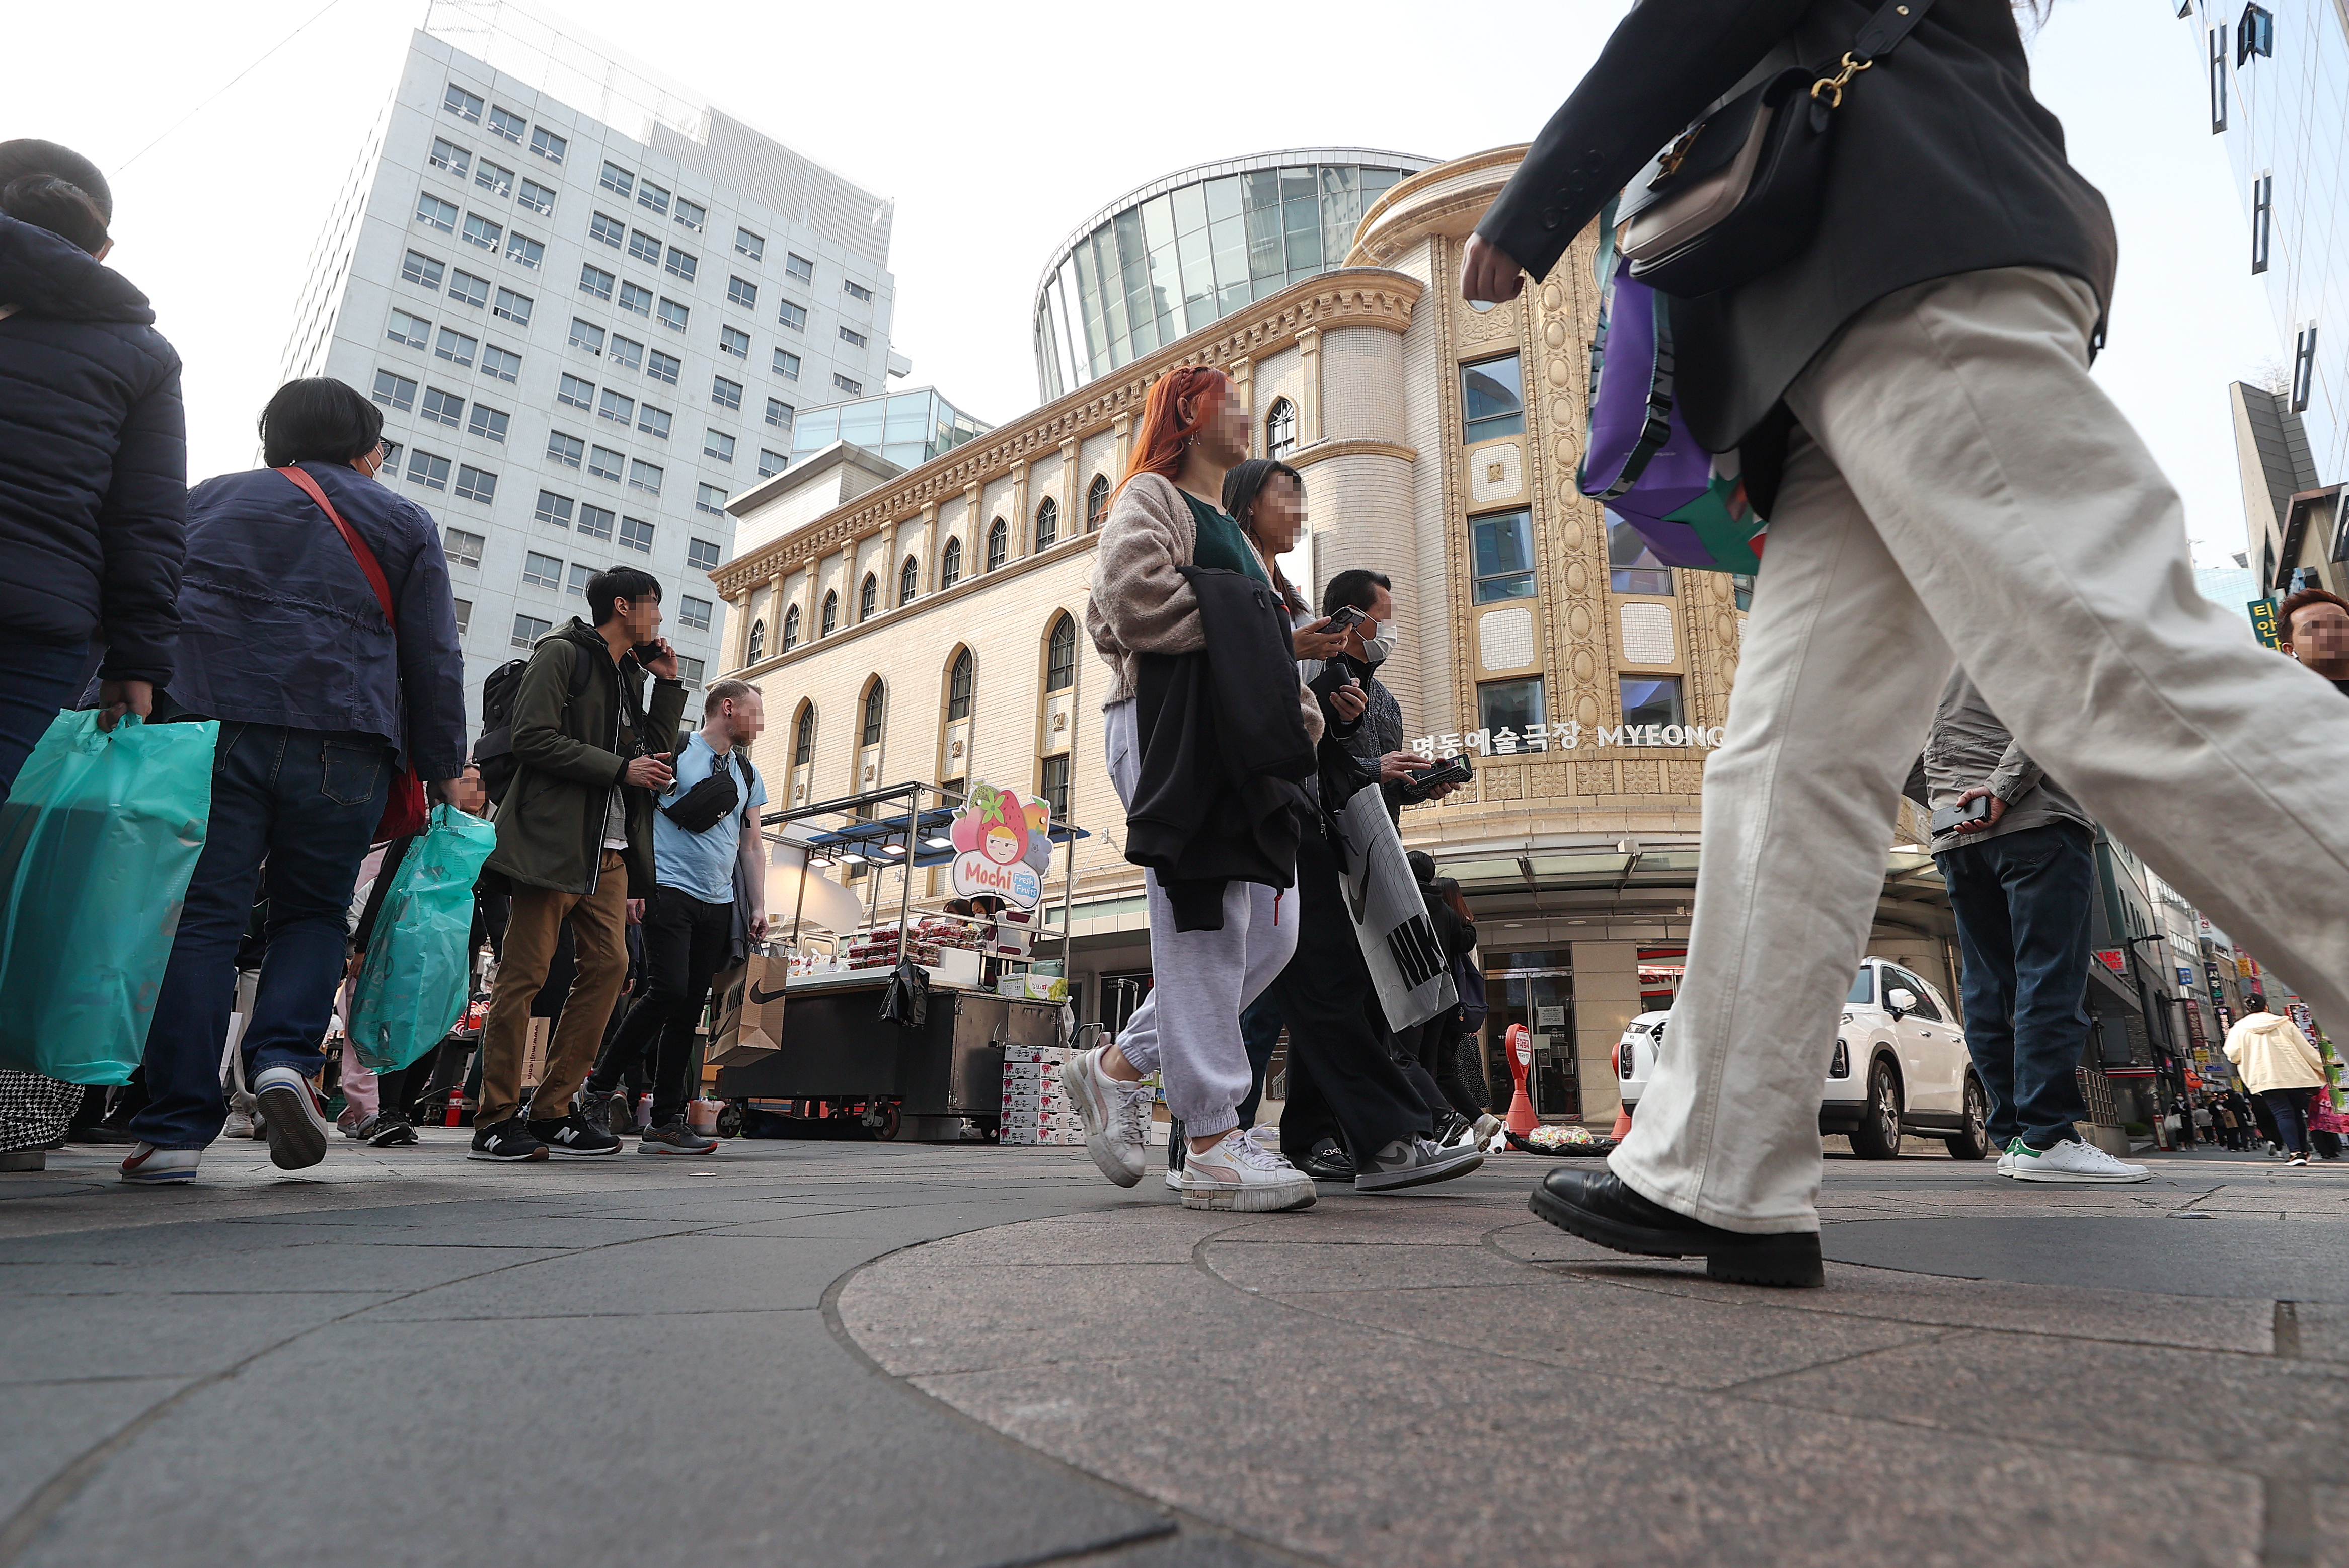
[{"x": 1002, "y": 846}]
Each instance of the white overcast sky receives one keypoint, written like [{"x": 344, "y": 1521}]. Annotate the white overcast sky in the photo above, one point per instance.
[{"x": 998, "y": 127}]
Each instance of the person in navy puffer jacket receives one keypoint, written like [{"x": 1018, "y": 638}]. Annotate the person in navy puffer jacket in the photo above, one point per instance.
[{"x": 93, "y": 457}]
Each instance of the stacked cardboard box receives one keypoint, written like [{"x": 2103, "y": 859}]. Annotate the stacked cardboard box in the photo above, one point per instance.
[{"x": 1036, "y": 1109}]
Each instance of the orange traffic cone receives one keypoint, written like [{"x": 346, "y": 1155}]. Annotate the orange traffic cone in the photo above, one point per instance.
[{"x": 1520, "y": 1042}]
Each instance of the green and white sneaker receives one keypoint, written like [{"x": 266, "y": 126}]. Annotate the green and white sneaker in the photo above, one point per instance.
[
  {"x": 2008, "y": 1156},
  {"x": 2074, "y": 1162}
]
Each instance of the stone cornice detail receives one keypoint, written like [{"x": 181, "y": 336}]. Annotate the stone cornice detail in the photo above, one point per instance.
[
  {"x": 1355, "y": 297},
  {"x": 1322, "y": 451},
  {"x": 1413, "y": 208}
]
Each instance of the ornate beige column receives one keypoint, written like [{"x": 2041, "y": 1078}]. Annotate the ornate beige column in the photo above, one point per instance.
[
  {"x": 1021, "y": 527},
  {"x": 1072, "y": 521},
  {"x": 1309, "y": 417},
  {"x": 1242, "y": 371},
  {"x": 929, "y": 573},
  {"x": 1123, "y": 427}
]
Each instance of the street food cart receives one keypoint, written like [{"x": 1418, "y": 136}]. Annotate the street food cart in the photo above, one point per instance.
[{"x": 832, "y": 1056}]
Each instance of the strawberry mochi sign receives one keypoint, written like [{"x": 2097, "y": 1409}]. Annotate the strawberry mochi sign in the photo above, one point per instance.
[{"x": 1002, "y": 846}]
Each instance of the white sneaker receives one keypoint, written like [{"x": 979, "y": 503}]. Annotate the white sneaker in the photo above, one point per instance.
[
  {"x": 1415, "y": 1162},
  {"x": 293, "y": 1122},
  {"x": 239, "y": 1123},
  {"x": 1174, "y": 1179},
  {"x": 1243, "y": 1176},
  {"x": 2073, "y": 1161},
  {"x": 1116, "y": 1117},
  {"x": 2006, "y": 1157},
  {"x": 1488, "y": 1131},
  {"x": 149, "y": 1166},
  {"x": 2297, "y": 1160}
]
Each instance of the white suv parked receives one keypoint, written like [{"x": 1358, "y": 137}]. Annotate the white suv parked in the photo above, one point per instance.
[{"x": 1899, "y": 1065}]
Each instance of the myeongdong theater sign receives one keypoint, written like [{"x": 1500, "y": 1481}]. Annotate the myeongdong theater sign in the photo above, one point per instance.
[{"x": 1568, "y": 736}]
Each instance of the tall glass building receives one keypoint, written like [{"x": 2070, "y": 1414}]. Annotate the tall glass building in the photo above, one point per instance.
[
  {"x": 2276, "y": 73},
  {"x": 593, "y": 307},
  {"x": 1180, "y": 252}
]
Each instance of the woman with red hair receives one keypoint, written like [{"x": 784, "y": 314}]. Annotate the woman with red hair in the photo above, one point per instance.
[{"x": 1167, "y": 514}]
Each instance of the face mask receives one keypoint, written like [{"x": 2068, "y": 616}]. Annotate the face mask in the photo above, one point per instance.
[{"x": 1377, "y": 649}]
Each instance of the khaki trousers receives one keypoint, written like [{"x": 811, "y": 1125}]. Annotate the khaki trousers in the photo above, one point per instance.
[
  {"x": 599, "y": 946},
  {"x": 1963, "y": 491}
]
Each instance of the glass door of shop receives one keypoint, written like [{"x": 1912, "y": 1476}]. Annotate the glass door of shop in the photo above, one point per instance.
[{"x": 1535, "y": 989}]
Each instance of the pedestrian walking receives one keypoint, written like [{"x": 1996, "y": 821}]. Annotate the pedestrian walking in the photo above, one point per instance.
[
  {"x": 575, "y": 842},
  {"x": 93, "y": 499},
  {"x": 324, "y": 700},
  {"x": 1908, "y": 391},
  {"x": 705, "y": 834},
  {"x": 1207, "y": 964},
  {"x": 2281, "y": 1067},
  {"x": 2022, "y": 888}
]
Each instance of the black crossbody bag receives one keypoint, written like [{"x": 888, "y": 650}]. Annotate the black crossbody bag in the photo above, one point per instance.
[{"x": 1738, "y": 194}]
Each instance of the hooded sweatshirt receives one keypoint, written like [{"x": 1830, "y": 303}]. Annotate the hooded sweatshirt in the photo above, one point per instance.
[{"x": 2271, "y": 1053}]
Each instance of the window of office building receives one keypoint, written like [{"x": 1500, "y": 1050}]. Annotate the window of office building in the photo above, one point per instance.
[
  {"x": 593, "y": 280},
  {"x": 419, "y": 268},
  {"x": 694, "y": 613},
  {"x": 710, "y": 498},
  {"x": 513, "y": 307},
  {"x": 481, "y": 231},
  {"x": 447, "y": 155},
  {"x": 645, "y": 475},
  {"x": 771, "y": 462},
  {"x": 434, "y": 213},
  {"x": 800, "y": 267},
  {"x": 540, "y": 571},
  {"x": 575, "y": 392},
  {"x": 717, "y": 444},
  {"x": 463, "y": 547},
  {"x": 490, "y": 423},
  {"x": 644, "y": 247},
  {"x": 854, "y": 339},
  {"x": 1503, "y": 546},
  {"x": 565, "y": 449},
  {"x": 604, "y": 463},
  {"x": 503, "y": 364},
  {"x": 586, "y": 335},
  {"x": 743, "y": 291},
  {"x": 494, "y": 178},
  {"x": 701, "y": 554},
  {"x": 455, "y": 347},
  {"x": 674, "y": 315},
  {"x": 596, "y": 521},
  {"x": 476, "y": 484},
  {"x": 504, "y": 122},
  {"x": 852, "y": 387},
  {"x": 443, "y": 408},
  {"x": 522, "y": 248},
  {"x": 747, "y": 243},
  {"x": 616, "y": 179},
  {"x": 465, "y": 106},
  {"x": 1491, "y": 399},
  {"x": 779, "y": 414},
  {"x": 425, "y": 469},
  {"x": 653, "y": 198},
  {"x": 635, "y": 533},
  {"x": 681, "y": 264},
  {"x": 726, "y": 394},
  {"x": 787, "y": 365},
  {"x": 534, "y": 196},
  {"x": 467, "y": 289},
  {"x": 548, "y": 145},
  {"x": 394, "y": 391},
  {"x": 413, "y": 331},
  {"x": 733, "y": 340},
  {"x": 652, "y": 422},
  {"x": 793, "y": 316},
  {"x": 617, "y": 407},
  {"x": 528, "y": 630},
  {"x": 692, "y": 214},
  {"x": 636, "y": 299},
  {"x": 464, "y": 614},
  {"x": 580, "y": 575},
  {"x": 554, "y": 509}
]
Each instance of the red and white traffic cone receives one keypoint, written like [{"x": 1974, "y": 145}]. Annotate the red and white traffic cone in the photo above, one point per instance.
[{"x": 1520, "y": 1042}]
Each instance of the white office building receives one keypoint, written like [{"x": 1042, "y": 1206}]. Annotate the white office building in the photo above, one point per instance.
[{"x": 593, "y": 307}]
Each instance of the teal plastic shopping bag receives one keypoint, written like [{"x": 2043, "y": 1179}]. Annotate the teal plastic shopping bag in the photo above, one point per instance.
[
  {"x": 98, "y": 841},
  {"x": 420, "y": 963}
]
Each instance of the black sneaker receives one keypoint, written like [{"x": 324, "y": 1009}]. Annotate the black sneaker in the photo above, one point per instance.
[
  {"x": 1327, "y": 1162},
  {"x": 387, "y": 1130},
  {"x": 1599, "y": 1207},
  {"x": 507, "y": 1139},
  {"x": 574, "y": 1135}
]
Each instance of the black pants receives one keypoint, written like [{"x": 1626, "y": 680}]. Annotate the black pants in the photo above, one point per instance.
[
  {"x": 1349, "y": 1078},
  {"x": 1436, "y": 1049},
  {"x": 686, "y": 944},
  {"x": 2289, "y": 1107}
]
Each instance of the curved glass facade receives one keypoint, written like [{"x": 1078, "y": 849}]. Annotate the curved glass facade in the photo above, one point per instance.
[
  {"x": 1180, "y": 254},
  {"x": 908, "y": 428}
]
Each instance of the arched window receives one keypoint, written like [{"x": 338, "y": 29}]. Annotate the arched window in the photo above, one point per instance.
[
  {"x": 1280, "y": 428},
  {"x": 868, "y": 598},
  {"x": 1048, "y": 522},
  {"x": 803, "y": 737},
  {"x": 950, "y": 565},
  {"x": 831, "y": 613},
  {"x": 1060, "y": 658},
  {"x": 1097, "y": 503},
  {"x": 909, "y": 580},
  {"x": 877, "y": 706},
  {"x": 790, "y": 628},
  {"x": 959, "y": 684},
  {"x": 758, "y": 649},
  {"x": 999, "y": 543}
]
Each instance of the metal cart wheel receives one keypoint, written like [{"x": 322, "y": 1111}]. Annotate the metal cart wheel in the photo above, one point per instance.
[{"x": 889, "y": 1122}]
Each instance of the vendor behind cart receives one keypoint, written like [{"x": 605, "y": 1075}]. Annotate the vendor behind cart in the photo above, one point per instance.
[{"x": 702, "y": 851}]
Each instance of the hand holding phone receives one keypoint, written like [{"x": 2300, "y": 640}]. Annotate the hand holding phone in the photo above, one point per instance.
[{"x": 1957, "y": 819}]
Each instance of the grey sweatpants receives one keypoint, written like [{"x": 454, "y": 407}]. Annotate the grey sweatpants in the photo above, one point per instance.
[{"x": 1187, "y": 1030}]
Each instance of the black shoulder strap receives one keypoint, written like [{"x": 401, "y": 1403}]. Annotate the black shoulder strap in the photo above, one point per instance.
[{"x": 1891, "y": 24}]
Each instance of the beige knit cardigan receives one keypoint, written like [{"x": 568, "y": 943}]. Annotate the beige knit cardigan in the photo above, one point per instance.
[{"x": 1140, "y": 602}]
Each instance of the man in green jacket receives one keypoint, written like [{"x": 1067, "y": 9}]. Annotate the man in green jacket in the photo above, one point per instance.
[{"x": 575, "y": 841}]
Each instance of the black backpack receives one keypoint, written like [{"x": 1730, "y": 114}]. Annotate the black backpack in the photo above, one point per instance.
[{"x": 493, "y": 753}]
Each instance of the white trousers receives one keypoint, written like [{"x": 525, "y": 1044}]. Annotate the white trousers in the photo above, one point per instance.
[
  {"x": 1962, "y": 490},
  {"x": 1187, "y": 1030}
]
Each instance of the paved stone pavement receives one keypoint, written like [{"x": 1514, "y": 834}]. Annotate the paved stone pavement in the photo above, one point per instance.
[{"x": 870, "y": 1354}]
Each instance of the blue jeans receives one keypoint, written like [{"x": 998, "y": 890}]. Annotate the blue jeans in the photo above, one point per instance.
[
  {"x": 37, "y": 679},
  {"x": 2290, "y": 1109},
  {"x": 307, "y": 802},
  {"x": 2023, "y": 903}
]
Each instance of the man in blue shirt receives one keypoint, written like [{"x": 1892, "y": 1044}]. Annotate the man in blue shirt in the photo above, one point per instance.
[{"x": 708, "y": 825}]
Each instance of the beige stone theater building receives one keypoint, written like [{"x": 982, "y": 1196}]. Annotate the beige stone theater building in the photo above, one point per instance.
[{"x": 926, "y": 623}]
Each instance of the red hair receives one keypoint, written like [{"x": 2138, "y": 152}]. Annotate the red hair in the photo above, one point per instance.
[{"x": 1165, "y": 430}]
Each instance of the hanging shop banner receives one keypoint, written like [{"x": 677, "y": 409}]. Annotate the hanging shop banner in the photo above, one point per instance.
[
  {"x": 1002, "y": 845},
  {"x": 2263, "y": 621}
]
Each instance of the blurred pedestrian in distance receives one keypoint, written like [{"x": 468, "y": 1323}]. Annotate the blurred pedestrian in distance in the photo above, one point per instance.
[
  {"x": 2316, "y": 632},
  {"x": 2281, "y": 1067},
  {"x": 322, "y": 703},
  {"x": 93, "y": 457},
  {"x": 1905, "y": 386},
  {"x": 575, "y": 841}
]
